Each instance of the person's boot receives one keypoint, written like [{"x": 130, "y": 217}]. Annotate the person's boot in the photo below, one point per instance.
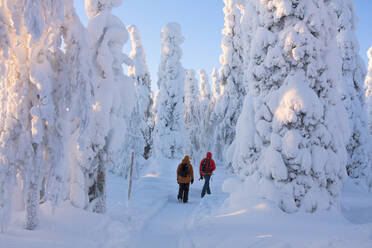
[{"x": 185, "y": 196}]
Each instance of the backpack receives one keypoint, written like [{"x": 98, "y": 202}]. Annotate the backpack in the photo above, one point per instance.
[
  {"x": 206, "y": 166},
  {"x": 184, "y": 170}
]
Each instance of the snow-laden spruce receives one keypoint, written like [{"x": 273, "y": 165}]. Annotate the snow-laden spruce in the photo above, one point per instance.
[
  {"x": 359, "y": 146},
  {"x": 229, "y": 104},
  {"x": 80, "y": 97},
  {"x": 192, "y": 116},
  {"x": 292, "y": 133},
  {"x": 31, "y": 109},
  {"x": 206, "y": 130},
  {"x": 114, "y": 96},
  {"x": 139, "y": 71},
  {"x": 140, "y": 123},
  {"x": 212, "y": 119},
  {"x": 368, "y": 85},
  {"x": 169, "y": 131}
]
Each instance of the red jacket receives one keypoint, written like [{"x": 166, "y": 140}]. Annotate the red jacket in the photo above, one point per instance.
[{"x": 209, "y": 156}]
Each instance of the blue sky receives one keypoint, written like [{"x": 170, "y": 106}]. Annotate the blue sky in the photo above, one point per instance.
[{"x": 202, "y": 22}]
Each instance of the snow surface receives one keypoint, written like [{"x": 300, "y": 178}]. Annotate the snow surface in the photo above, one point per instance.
[{"x": 154, "y": 218}]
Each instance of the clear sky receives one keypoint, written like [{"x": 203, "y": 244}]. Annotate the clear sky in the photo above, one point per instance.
[{"x": 201, "y": 22}]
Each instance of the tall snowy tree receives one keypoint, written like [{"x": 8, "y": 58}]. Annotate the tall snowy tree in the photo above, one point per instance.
[
  {"x": 7, "y": 168},
  {"x": 212, "y": 118},
  {"x": 140, "y": 124},
  {"x": 292, "y": 133},
  {"x": 359, "y": 151},
  {"x": 80, "y": 97},
  {"x": 54, "y": 181},
  {"x": 31, "y": 111},
  {"x": 114, "y": 96},
  {"x": 139, "y": 71},
  {"x": 169, "y": 130},
  {"x": 368, "y": 85},
  {"x": 192, "y": 116},
  {"x": 206, "y": 131},
  {"x": 231, "y": 75}
]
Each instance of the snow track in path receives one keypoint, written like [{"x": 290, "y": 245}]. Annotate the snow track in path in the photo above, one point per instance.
[
  {"x": 173, "y": 224},
  {"x": 155, "y": 218},
  {"x": 168, "y": 227}
]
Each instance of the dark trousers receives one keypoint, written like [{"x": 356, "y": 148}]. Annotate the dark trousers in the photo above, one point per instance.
[
  {"x": 206, "y": 185},
  {"x": 183, "y": 192}
]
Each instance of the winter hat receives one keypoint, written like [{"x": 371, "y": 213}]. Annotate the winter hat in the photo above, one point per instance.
[
  {"x": 186, "y": 159},
  {"x": 209, "y": 155}
]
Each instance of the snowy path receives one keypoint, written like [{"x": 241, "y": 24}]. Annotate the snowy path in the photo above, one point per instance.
[
  {"x": 170, "y": 225},
  {"x": 154, "y": 218}
]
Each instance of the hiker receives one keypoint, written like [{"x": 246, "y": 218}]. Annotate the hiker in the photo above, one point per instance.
[
  {"x": 185, "y": 175},
  {"x": 207, "y": 166}
]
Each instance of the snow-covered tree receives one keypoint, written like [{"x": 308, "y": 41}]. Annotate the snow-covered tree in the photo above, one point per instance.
[
  {"x": 140, "y": 124},
  {"x": 114, "y": 98},
  {"x": 206, "y": 131},
  {"x": 79, "y": 97},
  {"x": 30, "y": 110},
  {"x": 212, "y": 118},
  {"x": 169, "y": 131},
  {"x": 192, "y": 116},
  {"x": 7, "y": 169},
  {"x": 205, "y": 90},
  {"x": 368, "y": 85},
  {"x": 231, "y": 75},
  {"x": 353, "y": 95},
  {"x": 54, "y": 181},
  {"x": 140, "y": 73},
  {"x": 292, "y": 133}
]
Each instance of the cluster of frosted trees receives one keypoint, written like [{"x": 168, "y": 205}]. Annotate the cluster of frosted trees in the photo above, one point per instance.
[
  {"x": 69, "y": 112},
  {"x": 303, "y": 127},
  {"x": 64, "y": 105},
  {"x": 182, "y": 104}
]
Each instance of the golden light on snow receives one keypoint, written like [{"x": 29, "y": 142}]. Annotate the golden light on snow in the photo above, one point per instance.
[
  {"x": 243, "y": 211},
  {"x": 265, "y": 236},
  {"x": 261, "y": 206},
  {"x": 96, "y": 107},
  {"x": 151, "y": 176}
]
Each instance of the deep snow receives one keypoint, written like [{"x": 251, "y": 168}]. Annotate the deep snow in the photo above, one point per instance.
[{"x": 154, "y": 218}]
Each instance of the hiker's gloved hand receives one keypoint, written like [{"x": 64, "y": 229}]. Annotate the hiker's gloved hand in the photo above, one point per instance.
[
  {"x": 201, "y": 178},
  {"x": 192, "y": 181}
]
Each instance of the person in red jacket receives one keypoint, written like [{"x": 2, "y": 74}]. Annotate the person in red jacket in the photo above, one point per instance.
[{"x": 206, "y": 168}]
